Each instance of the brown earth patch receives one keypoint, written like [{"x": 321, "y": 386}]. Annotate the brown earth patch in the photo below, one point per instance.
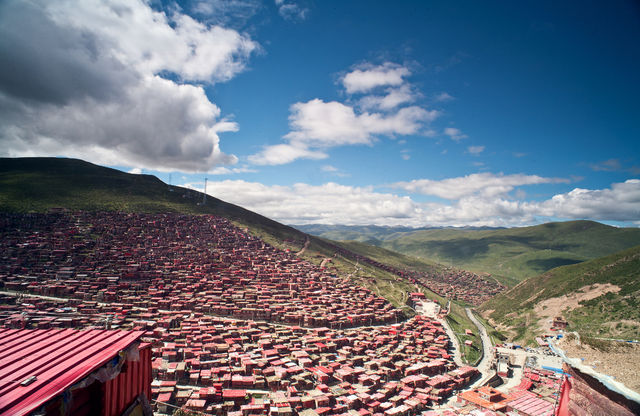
[
  {"x": 550, "y": 308},
  {"x": 621, "y": 360}
]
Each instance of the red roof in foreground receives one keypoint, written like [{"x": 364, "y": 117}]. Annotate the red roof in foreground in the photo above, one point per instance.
[
  {"x": 57, "y": 358},
  {"x": 532, "y": 405}
]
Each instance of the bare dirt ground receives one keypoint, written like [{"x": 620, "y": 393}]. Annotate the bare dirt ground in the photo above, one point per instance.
[
  {"x": 550, "y": 308},
  {"x": 621, "y": 360}
]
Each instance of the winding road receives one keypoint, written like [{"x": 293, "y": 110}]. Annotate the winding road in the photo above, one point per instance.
[{"x": 484, "y": 366}]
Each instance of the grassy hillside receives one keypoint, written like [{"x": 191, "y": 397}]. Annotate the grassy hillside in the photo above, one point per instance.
[
  {"x": 599, "y": 297},
  {"x": 389, "y": 257},
  {"x": 510, "y": 255},
  {"x": 361, "y": 233},
  {"x": 366, "y": 233}
]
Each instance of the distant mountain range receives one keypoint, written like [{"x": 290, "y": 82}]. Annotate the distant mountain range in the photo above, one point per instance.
[
  {"x": 364, "y": 233},
  {"x": 510, "y": 255}
]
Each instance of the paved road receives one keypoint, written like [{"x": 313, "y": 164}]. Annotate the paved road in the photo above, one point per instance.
[{"x": 484, "y": 366}]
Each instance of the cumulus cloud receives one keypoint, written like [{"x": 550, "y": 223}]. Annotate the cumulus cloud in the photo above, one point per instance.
[
  {"x": 105, "y": 81},
  {"x": 454, "y": 133},
  {"x": 368, "y": 77},
  {"x": 329, "y": 203},
  {"x": 621, "y": 202},
  {"x": 333, "y": 203},
  {"x": 332, "y": 123},
  {"x": 481, "y": 184},
  {"x": 317, "y": 125}
]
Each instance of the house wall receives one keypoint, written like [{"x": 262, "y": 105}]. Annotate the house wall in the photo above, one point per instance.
[
  {"x": 589, "y": 397},
  {"x": 120, "y": 392}
]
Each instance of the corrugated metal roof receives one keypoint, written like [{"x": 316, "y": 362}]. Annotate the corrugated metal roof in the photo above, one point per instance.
[{"x": 57, "y": 358}]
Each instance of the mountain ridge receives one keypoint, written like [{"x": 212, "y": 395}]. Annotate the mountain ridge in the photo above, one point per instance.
[{"x": 509, "y": 254}]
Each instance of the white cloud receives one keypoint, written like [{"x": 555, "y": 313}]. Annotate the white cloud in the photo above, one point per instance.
[
  {"x": 393, "y": 98},
  {"x": 222, "y": 170},
  {"x": 444, "y": 97},
  {"x": 454, "y": 133},
  {"x": 86, "y": 82},
  {"x": 333, "y": 171},
  {"x": 317, "y": 125},
  {"x": 330, "y": 203},
  {"x": 368, "y": 77},
  {"x": 225, "y": 12},
  {"x": 475, "y": 150},
  {"x": 327, "y": 124},
  {"x": 136, "y": 171},
  {"x": 290, "y": 10},
  {"x": 280, "y": 154},
  {"x": 481, "y": 184},
  {"x": 333, "y": 203},
  {"x": 621, "y": 202}
]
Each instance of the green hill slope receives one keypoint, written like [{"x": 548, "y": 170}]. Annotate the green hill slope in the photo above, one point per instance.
[
  {"x": 510, "y": 255},
  {"x": 599, "y": 297},
  {"x": 392, "y": 258},
  {"x": 39, "y": 184}
]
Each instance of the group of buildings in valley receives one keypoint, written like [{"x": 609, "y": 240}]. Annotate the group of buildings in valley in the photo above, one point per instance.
[{"x": 447, "y": 282}]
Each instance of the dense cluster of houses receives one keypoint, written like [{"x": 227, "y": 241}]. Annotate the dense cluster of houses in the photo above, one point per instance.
[
  {"x": 448, "y": 282},
  {"x": 222, "y": 366},
  {"x": 458, "y": 285},
  {"x": 174, "y": 261},
  {"x": 253, "y": 368}
]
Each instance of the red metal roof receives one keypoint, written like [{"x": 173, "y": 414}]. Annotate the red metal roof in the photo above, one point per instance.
[
  {"x": 58, "y": 358},
  {"x": 532, "y": 405}
]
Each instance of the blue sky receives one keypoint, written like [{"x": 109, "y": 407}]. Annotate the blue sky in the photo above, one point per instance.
[{"x": 359, "y": 112}]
